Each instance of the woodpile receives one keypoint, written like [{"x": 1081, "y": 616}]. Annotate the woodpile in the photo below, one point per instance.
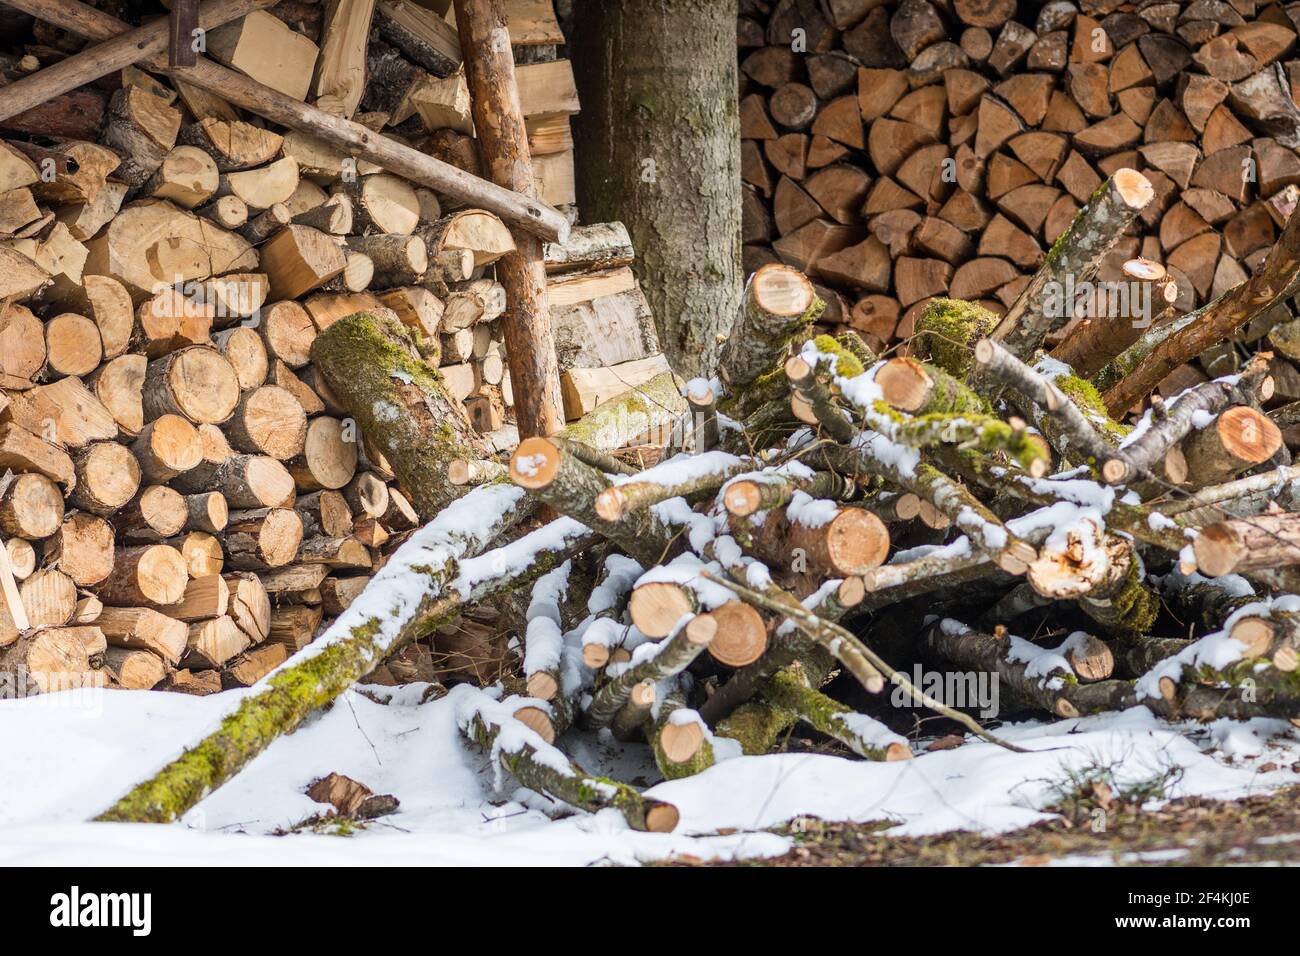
[
  {"x": 904, "y": 151},
  {"x": 168, "y": 261},
  {"x": 866, "y": 520}
]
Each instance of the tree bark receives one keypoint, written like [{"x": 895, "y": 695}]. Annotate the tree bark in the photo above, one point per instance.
[{"x": 659, "y": 134}]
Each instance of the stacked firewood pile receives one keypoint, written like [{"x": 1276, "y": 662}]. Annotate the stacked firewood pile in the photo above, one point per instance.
[
  {"x": 903, "y": 151},
  {"x": 826, "y": 511},
  {"x": 189, "y": 499}
]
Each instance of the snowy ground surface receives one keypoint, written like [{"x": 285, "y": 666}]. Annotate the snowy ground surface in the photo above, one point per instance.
[{"x": 65, "y": 758}]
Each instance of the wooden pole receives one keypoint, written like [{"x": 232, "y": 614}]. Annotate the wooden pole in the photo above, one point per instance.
[
  {"x": 112, "y": 55},
  {"x": 503, "y": 147},
  {"x": 521, "y": 211}
]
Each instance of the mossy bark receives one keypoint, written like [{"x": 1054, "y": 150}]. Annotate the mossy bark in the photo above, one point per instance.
[
  {"x": 614, "y": 423},
  {"x": 311, "y": 681},
  {"x": 946, "y": 333},
  {"x": 1124, "y": 604},
  {"x": 399, "y": 402},
  {"x": 575, "y": 788},
  {"x": 791, "y": 690},
  {"x": 701, "y": 760}
]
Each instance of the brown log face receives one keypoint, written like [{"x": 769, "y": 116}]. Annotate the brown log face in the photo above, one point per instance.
[{"x": 741, "y": 636}]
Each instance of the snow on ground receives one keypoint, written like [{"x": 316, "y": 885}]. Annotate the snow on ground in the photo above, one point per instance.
[{"x": 67, "y": 756}]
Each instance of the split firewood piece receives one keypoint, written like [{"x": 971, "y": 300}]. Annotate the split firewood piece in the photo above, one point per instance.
[
  {"x": 187, "y": 176},
  {"x": 23, "y": 451},
  {"x": 295, "y": 626},
  {"x": 381, "y": 204},
  {"x": 143, "y": 128},
  {"x": 267, "y": 50},
  {"x": 538, "y": 766},
  {"x": 151, "y": 575},
  {"x": 337, "y": 594},
  {"x": 1140, "y": 456},
  {"x": 333, "y": 215},
  {"x": 106, "y": 301},
  {"x": 245, "y": 481},
  {"x": 135, "y": 669},
  {"x": 298, "y": 259},
  {"x": 475, "y": 230},
  {"x": 232, "y": 143},
  {"x": 370, "y": 362},
  {"x": 779, "y": 305},
  {"x": 263, "y": 538},
  {"x": 251, "y": 666},
  {"x": 250, "y": 606},
  {"x": 481, "y": 300},
  {"x": 325, "y": 513},
  {"x": 366, "y": 495},
  {"x": 211, "y": 643},
  {"x": 245, "y": 350},
  {"x": 1076, "y": 255},
  {"x": 80, "y": 170},
  {"x": 23, "y": 340},
  {"x": 131, "y": 249},
  {"x": 119, "y": 385},
  {"x": 205, "y": 597},
  {"x": 170, "y": 320},
  {"x": 82, "y": 548}
]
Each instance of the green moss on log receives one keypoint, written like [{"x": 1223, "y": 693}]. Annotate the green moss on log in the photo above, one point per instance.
[{"x": 946, "y": 333}]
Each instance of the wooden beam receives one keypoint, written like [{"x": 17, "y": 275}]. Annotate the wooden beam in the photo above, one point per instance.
[
  {"x": 503, "y": 148},
  {"x": 517, "y": 210},
  {"x": 120, "y": 51}
]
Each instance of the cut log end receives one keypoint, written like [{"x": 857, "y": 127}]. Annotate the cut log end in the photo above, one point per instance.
[
  {"x": 681, "y": 742},
  {"x": 740, "y": 636},
  {"x": 904, "y": 383},
  {"x": 534, "y": 463},
  {"x": 780, "y": 290},
  {"x": 1133, "y": 188},
  {"x": 1254, "y": 634},
  {"x": 856, "y": 542},
  {"x": 742, "y": 498}
]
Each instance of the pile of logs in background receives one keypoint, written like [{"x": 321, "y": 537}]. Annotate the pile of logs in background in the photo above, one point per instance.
[
  {"x": 188, "y": 498},
  {"x": 901, "y": 151}
]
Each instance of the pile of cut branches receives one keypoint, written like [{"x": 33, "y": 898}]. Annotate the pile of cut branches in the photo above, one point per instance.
[{"x": 822, "y": 511}]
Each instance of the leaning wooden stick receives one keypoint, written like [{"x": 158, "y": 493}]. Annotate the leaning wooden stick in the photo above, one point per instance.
[
  {"x": 112, "y": 55},
  {"x": 503, "y": 148},
  {"x": 521, "y": 211}
]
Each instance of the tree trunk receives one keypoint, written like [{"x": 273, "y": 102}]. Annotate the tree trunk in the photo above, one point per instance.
[{"x": 659, "y": 135}]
